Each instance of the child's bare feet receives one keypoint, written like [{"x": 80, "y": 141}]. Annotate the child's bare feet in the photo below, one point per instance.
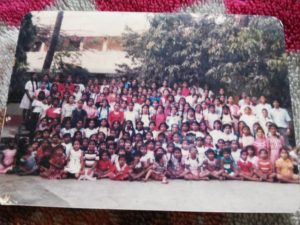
[{"x": 165, "y": 181}]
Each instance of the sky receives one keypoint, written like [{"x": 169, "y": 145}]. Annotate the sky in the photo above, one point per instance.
[{"x": 94, "y": 23}]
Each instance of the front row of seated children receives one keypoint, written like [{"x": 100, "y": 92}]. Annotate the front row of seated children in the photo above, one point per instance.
[{"x": 155, "y": 165}]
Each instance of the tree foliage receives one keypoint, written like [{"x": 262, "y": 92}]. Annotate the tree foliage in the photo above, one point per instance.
[{"x": 236, "y": 52}]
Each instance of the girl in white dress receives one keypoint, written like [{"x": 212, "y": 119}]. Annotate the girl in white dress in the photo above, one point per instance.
[
  {"x": 75, "y": 161},
  {"x": 30, "y": 87}
]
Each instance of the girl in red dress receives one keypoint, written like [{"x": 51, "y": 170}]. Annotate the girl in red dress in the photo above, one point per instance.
[
  {"x": 120, "y": 171},
  {"x": 104, "y": 165},
  {"x": 57, "y": 163}
]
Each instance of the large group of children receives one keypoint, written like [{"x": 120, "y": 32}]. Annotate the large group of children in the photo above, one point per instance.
[{"x": 125, "y": 129}]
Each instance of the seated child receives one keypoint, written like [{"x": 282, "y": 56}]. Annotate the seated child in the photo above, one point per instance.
[
  {"x": 284, "y": 168},
  {"x": 28, "y": 164},
  {"x": 176, "y": 167},
  {"x": 7, "y": 163},
  {"x": 90, "y": 161},
  {"x": 103, "y": 166},
  {"x": 212, "y": 165},
  {"x": 57, "y": 163},
  {"x": 193, "y": 167},
  {"x": 158, "y": 170},
  {"x": 228, "y": 166},
  {"x": 245, "y": 167},
  {"x": 120, "y": 171},
  {"x": 44, "y": 161},
  {"x": 75, "y": 161},
  {"x": 137, "y": 170},
  {"x": 265, "y": 168}
]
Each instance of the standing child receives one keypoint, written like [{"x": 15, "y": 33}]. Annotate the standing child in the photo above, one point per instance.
[
  {"x": 235, "y": 150},
  {"x": 246, "y": 168},
  {"x": 276, "y": 142},
  {"x": 74, "y": 161},
  {"x": 212, "y": 165},
  {"x": 284, "y": 168},
  {"x": 265, "y": 168}
]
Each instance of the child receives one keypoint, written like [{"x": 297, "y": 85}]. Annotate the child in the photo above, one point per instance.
[
  {"x": 74, "y": 161},
  {"x": 246, "y": 168},
  {"x": 28, "y": 164},
  {"x": 251, "y": 155},
  {"x": 212, "y": 165},
  {"x": 57, "y": 163},
  {"x": 120, "y": 171},
  {"x": 284, "y": 168},
  {"x": 276, "y": 142},
  {"x": 104, "y": 127},
  {"x": 228, "y": 166},
  {"x": 90, "y": 161},
  {"x": 176, "y": 167},
  {"x": 8, "y": 158},
  {"x": 235, "y": 151},
  {"x": 246, "y": 138},
  {"x": 158, "y": 170},
  {"x": 193, "y": 167},
  {"x": 91, "y": 129},
  {"x": 264, "y": 166},
  {"x": 137, "y": 170},
  {"x": 67, "y": 144},
  {"x": 104, "y": 166}
]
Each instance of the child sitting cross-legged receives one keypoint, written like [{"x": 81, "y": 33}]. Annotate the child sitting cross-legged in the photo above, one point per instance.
[
  {"x": 213, "y": 165},
  {"x": 120, "y": 171},
  {"x": 176, "y": 167},
  {"x": 284, "y": 168},
  {"x": 193, "y": 167},
  {"x": 103, "y": 166},
  {"x": 265, "y": 168},
  {"x": 57, "y": 163},
  {"x": 245, "y": 167},
  {"x": 228, "y": 165},
  {"x": 137, "y": 170},
  {"x": 158, "y": 170}
]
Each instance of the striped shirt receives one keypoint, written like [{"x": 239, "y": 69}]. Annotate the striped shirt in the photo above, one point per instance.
[
  {"x": 90, "y": 158},
  {"x": 265, "y": 166}
]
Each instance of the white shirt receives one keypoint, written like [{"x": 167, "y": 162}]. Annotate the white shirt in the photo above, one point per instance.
[
  {"x": 67, "y": 110},
  {"x": 280, "y": 117},
  {"x": 249, "y": 120},
  {"x": 211, "y": 118},
  {"x": 172, "y": 120},
  {"x": 259, "y": 107},
  {"x": 131, "y": 115},
  {"x": 229, "y": 137},
  {"x": 89, "y": 132},
  {"x": 39, "y": 107},
  {"x": 68, "y": 147},
  {"x": 216, "y": 135}
]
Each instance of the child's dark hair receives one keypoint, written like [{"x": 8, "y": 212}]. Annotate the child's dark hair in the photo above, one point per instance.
[
  {"x": 244, "y": 151},
  {"x": 227, "y": 150},
  {"x": 158, "y": 157},
  {"x": 263, "y": 150},
  {"x": 250, "y": 147}
]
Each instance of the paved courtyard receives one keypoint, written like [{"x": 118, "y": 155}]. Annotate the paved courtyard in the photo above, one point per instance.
[{"x": 179, "y": 195}]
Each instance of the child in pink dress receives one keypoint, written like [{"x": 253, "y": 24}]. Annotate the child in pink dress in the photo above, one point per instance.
[
  {"x": 8, "y": 158},
  {"x": 261, "y": 141},
  {"x": 276, "y": 142}
]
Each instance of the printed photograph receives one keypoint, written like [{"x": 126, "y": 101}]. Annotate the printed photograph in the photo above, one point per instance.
[{"x": 141, "y": 111}]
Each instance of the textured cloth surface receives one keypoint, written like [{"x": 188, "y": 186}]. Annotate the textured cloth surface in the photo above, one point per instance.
[{"x": 11, "y": 12}]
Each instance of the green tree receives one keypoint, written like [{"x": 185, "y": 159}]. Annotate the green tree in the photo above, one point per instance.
[{"x": 218, "y": 50}]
